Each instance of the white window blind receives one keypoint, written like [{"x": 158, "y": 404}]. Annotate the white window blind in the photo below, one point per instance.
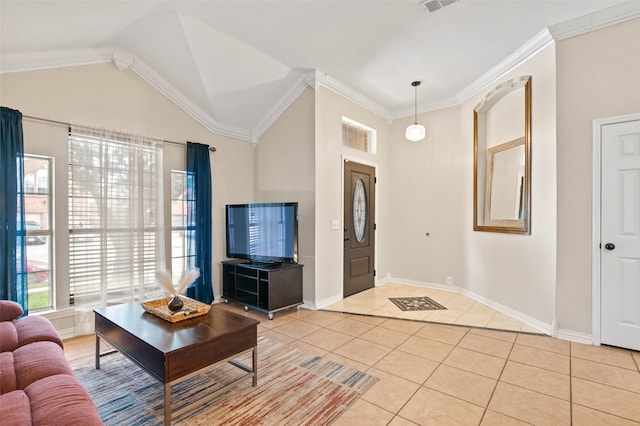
[
  {"x": 354, "y": 137},
  {"x": 358, "y": 136},
  {"x": 115, "y": 217}
]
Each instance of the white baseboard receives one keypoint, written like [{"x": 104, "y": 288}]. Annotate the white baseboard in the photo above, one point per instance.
[
  {"x": 523, "y": 318},
  {"x": 542, "y": 327},
  {"x": 435, "y": 286},
  {"x": 574, "y": 336},
  {"x": 67, "y": 333},
  {"x": 549, "y": 329},
  {"x": 328, "y": 301}
]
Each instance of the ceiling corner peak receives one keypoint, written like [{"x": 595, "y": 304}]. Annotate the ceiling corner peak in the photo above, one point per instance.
[
  {"x": 122, "y": 59},
  {"x": 314, "y": 78}
]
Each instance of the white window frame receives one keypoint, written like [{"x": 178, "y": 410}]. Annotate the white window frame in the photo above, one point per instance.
[
  {"x": 47, "y": 233},
  {"x": 371, "y": 132},
  {"x": 182, "y": 231}
]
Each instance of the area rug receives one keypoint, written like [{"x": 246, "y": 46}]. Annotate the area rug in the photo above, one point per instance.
[
  {"x": 294, "y": 388},
  {"x": 416, "y": 303}
]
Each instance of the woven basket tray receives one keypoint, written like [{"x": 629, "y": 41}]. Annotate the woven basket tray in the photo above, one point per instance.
[{"x": 192, "y": 308}]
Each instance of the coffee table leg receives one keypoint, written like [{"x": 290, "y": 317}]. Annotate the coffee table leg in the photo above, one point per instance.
[
  {"x": 97, "y": 352},
  {"x": 255, "y": 365},
  {"x": 167, "y": 404}
]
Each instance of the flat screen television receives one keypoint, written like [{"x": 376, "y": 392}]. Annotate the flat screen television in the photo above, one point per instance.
[{"x": 263, "y": 232}]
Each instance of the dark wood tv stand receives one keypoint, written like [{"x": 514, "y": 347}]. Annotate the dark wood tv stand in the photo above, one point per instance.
[{"x": 265, "y": 287}]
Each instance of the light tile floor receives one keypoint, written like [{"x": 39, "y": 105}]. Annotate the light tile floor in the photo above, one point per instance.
[
  {"x": 461, "y": 310},
  {"x": 434, "y": 374}
]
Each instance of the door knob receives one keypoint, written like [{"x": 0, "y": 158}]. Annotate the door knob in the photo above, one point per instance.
[{"x": 609, "y": 246}]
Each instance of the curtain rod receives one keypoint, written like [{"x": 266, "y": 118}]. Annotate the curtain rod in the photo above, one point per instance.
[{"x": 61, "y": 123}]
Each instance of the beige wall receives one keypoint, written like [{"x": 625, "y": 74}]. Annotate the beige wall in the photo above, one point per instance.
[
  {"x": 329, "y": 156},
  {"x": 102, "y": 96},
  {"x": 300, "y": 158},
  {"x": 597, "y": 77},
  {"x": 427, "y": 197},
  {"x": 519, "y": 271},
  {"x": 432, "y": 192},
  {"x": 285, "y": 171}
]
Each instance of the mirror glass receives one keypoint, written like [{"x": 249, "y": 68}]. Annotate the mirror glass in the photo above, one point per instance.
[{"x": 502, "y": 163}]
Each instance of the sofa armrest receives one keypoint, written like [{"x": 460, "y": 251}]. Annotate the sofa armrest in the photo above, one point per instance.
[{"x": 10, "y": 310}]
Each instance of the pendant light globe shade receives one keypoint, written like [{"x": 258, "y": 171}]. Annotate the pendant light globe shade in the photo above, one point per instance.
[{"x": 415, "y": 132}]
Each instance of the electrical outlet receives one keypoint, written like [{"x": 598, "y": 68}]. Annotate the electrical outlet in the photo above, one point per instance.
[{"x": 449, "y": 280}]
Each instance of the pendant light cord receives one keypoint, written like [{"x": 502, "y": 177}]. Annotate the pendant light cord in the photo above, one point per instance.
[
  {"x": 415, "y": 85},
  {"x": 415, "y": 116}
]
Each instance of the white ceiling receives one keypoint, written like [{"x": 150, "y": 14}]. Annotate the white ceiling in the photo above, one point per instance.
[{"x": 235, "y": 65}]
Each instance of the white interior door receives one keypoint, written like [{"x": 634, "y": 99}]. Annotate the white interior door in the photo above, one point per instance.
[{"x": 620, "y": 235}]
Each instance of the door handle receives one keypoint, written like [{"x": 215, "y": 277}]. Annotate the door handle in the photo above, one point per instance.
[{"x": 609, "y": 246}]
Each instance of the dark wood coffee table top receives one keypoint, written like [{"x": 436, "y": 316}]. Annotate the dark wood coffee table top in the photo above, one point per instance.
[{"x": 168, "y": 350}]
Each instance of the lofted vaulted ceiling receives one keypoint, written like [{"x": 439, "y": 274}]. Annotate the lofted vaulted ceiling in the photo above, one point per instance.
[{"x": 235, "y": 65}]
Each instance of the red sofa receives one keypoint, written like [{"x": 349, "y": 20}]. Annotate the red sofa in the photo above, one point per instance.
[{"x": 37, "y": 386}]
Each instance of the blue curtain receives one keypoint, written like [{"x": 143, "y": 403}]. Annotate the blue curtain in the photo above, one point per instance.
[
  {"x": 199, "y": 220},
  {"x": 13, "y": 277}
]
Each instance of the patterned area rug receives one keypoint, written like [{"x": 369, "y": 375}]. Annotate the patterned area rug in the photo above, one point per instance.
[
  {"x": 416, "y": 303},
  {"x": 294, "y": 388}
]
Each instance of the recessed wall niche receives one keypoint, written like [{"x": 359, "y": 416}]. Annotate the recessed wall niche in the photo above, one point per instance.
[{"x": 502, "y": 159}]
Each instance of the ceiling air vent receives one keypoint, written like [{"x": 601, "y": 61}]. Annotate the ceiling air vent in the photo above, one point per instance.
[{"x": 433, "y": 5}]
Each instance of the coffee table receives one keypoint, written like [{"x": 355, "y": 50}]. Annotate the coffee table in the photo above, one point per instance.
[{"x": 171, "y": 352}]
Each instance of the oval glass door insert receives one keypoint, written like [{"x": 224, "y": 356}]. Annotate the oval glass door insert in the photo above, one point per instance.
[{"x": 359, "y": 210}]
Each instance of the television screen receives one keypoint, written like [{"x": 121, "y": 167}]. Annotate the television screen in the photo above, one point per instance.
[{"x": 266, "y": 232}]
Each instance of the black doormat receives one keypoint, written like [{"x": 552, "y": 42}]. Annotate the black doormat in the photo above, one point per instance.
[{"x": 416, "y": 303}]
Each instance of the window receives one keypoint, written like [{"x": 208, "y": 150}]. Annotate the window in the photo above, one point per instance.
[
  {"x": 29, "y": 183},
  {"x": 179, "y": 229},
  {"x": 42, "y": 181},
  {"x": 358, "y": 136},
  {"x": 115, "y": 242},
  {"x": 38, "y": 219}
]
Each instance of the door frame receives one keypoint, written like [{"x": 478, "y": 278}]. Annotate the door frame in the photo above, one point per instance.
[
  {"x": 344, "y": 158},
  {"x": 596, "y": 251}
]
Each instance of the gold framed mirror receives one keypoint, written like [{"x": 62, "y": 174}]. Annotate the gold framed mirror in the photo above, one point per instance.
[{"x": 502, "y": 159}]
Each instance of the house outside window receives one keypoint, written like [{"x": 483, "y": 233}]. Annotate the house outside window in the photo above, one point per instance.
[
  {"x": 29, "y": 183},
  {"x": 38, "y": 202},
  {"x": 179, "y": 229},
  {"x": 42, "y": 181}
]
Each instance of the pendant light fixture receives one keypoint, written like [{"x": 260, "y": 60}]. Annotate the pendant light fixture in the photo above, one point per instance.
[{"x": 415, "y": 132}]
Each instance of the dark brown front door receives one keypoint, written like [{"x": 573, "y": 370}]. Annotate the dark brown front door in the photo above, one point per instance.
[{"x": 359, "y": 227}]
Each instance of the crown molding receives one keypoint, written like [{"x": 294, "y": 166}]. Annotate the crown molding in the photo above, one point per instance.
[
  {"x": 596, "y": 20},
  {"x": 54, "y": 59},
  {"x": 122, "y": 60},
  {"x": 526, "y": 52},
  {"x": 316, "y": 79},
  {"x": 160, "y": 84},
  {"x": 280, "y": 107},
  {"x": 427, "y": 107},
  {"x": 574, "y": 27}
]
